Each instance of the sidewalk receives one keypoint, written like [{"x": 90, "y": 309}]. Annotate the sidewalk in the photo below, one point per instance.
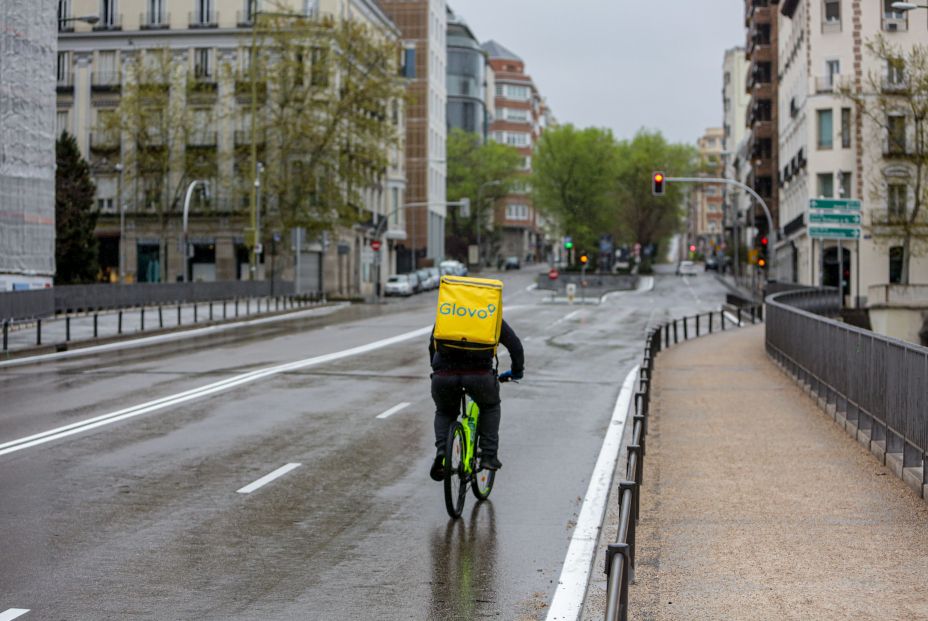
[{"x": 755, "y": 505}]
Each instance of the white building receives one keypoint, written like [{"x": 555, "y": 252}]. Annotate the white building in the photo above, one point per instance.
[
  {"x": 827, "y": 149},
  {"x": 209, "y": 40},
  {"x": 735, "y": 100}
]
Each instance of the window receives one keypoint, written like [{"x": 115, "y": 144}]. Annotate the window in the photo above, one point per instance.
[
  {"x": 64, "y": 12},
  {"x": 844, "y": 188},
  {"x": 527, "y": 162},
  {"x": 64, "y": 68},
  {"x": 104, "y": 204},
  {"x": 61, "y": 122},
  {"x": 518, "y": 139},
  {"x": 517, "y": 212},
  {"x": 310, "y": 7},
  {"x": 204, "y": 11},
  {"x": 499, "y": 90},
  {"x": 889, "y": 12},
  {"x": 833, "y": 11},
  {"x": 515, "y": 114},
  {"x": 895, "y": 72},
  {"x": 826, "y": 185},
  {"x": 201, "y": 63},
  {"x": 895, "y": 125},
  {"x": 896, "y": 201},
  {"x": 895, "y": 264},
  {"x": 845, "y": 128},
  {"x": 517, "y": 92},
  {"x": 832, "y": 69},
  {"x": 825, "y": 131},
  {"x": 108, "y": 13}
]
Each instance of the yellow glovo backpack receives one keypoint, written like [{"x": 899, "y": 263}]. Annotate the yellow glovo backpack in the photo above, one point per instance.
[{"x": 469, "y": 316}]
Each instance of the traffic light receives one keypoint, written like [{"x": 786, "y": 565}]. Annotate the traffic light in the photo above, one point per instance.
[
  {"x": 657, "y": 184},
  {"x": 584, "y": 258},
  {"x": 762, "y": 252},
  {"x": 568, "y": 244}
]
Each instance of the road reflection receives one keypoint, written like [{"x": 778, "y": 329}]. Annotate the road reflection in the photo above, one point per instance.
[{"x": 464, "y": 575}]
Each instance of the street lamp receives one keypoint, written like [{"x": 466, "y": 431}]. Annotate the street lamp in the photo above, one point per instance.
[
  {"x": 187, "y": 197},
  {"x": 478, "y": 216},
  {"x": 122, "y": 225},
  {"x": 87, "y": 19},
  {"x": 908, "y": 6}
]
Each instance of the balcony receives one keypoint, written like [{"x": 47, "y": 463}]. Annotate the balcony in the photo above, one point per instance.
[
  {"x": 65, "y": 85},
  {"x": 105, "y": 82},
  {"x": 112, "y": 23},
  {"x": 895, "y": 22},
  {"x": 154, "y": 21},
  {"x": 203, "y": 83},
  {"x": 832, "y": 83},
  {"x": 202, "y": 139},
  {"x": 207, "y": 19},
  {"x": 897, "y": 147},
  {"x": 244, "y": 19},
  {"x": 104, "y": 142},
  {"x": 894, "y": 86}
]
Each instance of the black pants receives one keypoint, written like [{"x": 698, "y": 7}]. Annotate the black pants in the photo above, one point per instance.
[{"x": 483, "y": 389}]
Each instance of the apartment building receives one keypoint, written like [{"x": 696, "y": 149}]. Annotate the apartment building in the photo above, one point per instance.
[
  {"x": 423, "y": 24},
  {"x": 735, "y": 101},
  {"x": 27, "y": 144},
  {"x": 467, "y": 79},
  {"x": 707, "y": 223},
  {"x": 208, "y": 43},
  {"x": 520, "y": 116},
  {"x": 761, "y": 82},
  {"x": 831, "y": 151}
]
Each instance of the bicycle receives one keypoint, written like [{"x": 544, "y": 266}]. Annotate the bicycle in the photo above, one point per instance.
[{"x": 461, "y": 461}]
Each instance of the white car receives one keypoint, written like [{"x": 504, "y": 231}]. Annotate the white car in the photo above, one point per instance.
[
  {"x": 400, "y": 284},
  {"x": 687, "y": 268},
  {"x": 452, "y": 268}
]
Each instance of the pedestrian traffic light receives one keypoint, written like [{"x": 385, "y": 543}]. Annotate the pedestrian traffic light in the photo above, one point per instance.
[
  {"x": 584, "y": 258},
  {"x": 692, "y": 247},
  {"x": 568, "y": 244},
  {"x": 657, "y": 184}
]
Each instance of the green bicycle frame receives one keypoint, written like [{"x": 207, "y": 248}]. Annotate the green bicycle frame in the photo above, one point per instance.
[{"x": 469, "y": 422}]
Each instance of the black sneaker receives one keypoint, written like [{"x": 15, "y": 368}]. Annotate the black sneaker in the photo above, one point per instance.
[
  {"x": 490, "y": 462},
  {"x": 437, "y": 471}
]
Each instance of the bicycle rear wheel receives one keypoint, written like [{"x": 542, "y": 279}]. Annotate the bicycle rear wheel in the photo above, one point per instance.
[
  {"x": 455, "y": 478},
  {"x": 482, "y": 483}
]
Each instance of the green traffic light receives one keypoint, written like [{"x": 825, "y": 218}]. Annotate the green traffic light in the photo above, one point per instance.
[{"x": 568, "y": 245}]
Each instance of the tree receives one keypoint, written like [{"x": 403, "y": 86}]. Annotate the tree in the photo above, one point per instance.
[
  {"x": 76, "y": 245},
  {"x": 574, "y": 172},
  {"x": 641, "y": 216},
  {"x": 329, "y": 98},
  {"x": 481, "y": 172},
  {"x": 895, "y": 101}
]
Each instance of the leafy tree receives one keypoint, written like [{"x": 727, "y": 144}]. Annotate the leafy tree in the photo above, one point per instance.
[
  {"x": 574, "y": 172},
  {"x": 895, "y": 102},
  {"x": 76, "y": 246},
  {"x": 641, "y": 216},
  {"x": 483, "y": 173},
  {"x": 329, "y": 97}
]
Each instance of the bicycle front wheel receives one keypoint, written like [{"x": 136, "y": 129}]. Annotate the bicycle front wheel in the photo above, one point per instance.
[{"x": 455, "y": 477}]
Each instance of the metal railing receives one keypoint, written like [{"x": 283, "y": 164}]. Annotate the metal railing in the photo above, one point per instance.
[
  {"x": 877, "y": 384},
  {"x": 620, "y": 556}
]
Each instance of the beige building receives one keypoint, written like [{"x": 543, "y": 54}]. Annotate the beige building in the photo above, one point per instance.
[
  {"x": 735, "y": 102},
  {"x": 208, "y": 41},
  {"x": 829, "y": 151},
  {"x": 706, "y": 217}
]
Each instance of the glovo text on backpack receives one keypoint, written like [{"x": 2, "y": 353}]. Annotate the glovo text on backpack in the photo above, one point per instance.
[{"x": 469, "y": 316}]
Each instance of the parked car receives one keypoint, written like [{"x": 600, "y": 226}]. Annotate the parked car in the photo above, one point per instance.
[
  {"x": 399, "y": 284},
  {"x": 414, "y": 281},
  {"x": 435, "y": 275},
  {"x": 712, "y": 264},
  {"x": 687, "y": 268},
  {"x": 512, "y": 263},
  {"x": 453, "y": 268},
  {"x": 425, "y": 277}
]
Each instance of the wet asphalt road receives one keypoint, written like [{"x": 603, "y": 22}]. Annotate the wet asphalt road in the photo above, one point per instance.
[{"x": 140, "y": 518}]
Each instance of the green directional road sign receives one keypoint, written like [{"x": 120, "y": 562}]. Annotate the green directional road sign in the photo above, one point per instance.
[
  {"x": 834, "y": 218},
  {"x": 831, "y": 232},
  {"x": 847, "y": 204}
]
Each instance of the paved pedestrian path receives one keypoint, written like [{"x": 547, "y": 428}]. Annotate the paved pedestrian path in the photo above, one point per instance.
[{"x": 755, "y": 505}]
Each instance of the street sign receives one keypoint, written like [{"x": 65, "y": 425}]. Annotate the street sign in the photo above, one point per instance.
[
  {"x": 834, "y": 218},
  {"x": 571, "y": 292},
  {"x": 847, "y": 204},
  {"x": 553, "y": 274},
  {"x": 830, "y": 232},
  {"x": 375, "y": 245}
]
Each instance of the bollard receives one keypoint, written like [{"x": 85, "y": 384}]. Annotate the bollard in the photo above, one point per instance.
[
  {"x": 686, "y": 335},
  {"x": 675, "y": 340},
  {"x": 67, "y": 328},
  {"x": 195, "y": 305},
  {"x": 722, "y": 319},
  {"x": 38, "y": 332},
  {"x": 739, "y": 316},
  {"x": 247, "y": 306},
  {"x": 119, "y": 325},
  {"x": 95, "y": 331},
  {"x": 710, "y": 322},
  {"x": 160, "y": 317},
  {"x": 697, "y": 325},
  {"x": 142, "y": 320},
  {"x": 178, "y": 314},
  {"x": 210, "y": 311},
  {"x": 6, "y": 334},
  {"x": 224, "y": 315},
  {"x": 277, "y": 303},
  {"x": 236, "y": 307},
  {"x": 753, "y": 317}
]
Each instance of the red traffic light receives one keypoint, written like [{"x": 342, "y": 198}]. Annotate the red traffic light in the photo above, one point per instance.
[
  {"x": 657, "y": 184},
  {"x": 692, "y": 247},
  {"x": 763, "y": 241}
]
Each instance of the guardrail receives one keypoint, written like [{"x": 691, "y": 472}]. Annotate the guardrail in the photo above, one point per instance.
[
  {"x": 41, "y": 303},
  {"x": 875, "y": 385},
  {"x": 620, "y": 556}
]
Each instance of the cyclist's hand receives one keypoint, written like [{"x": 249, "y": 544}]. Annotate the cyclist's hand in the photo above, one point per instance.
[{"x": 509, "y": 376}]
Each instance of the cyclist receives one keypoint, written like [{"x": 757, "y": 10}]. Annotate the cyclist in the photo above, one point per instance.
[{"x": 475, "y": 374}]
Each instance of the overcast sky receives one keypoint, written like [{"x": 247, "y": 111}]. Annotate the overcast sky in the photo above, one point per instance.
[{"x": 620, "y": 64}]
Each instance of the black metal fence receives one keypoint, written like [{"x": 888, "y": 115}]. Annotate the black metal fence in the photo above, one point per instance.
[
  {"x": 876, "y": 384},
  {"x": 620, "y": 556},
  {"x": 27, "y": 305}
]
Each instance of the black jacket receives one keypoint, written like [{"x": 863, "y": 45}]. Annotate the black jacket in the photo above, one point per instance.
[{"x": 507, "y": 337}]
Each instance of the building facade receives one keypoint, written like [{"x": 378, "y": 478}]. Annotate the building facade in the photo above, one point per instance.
[
  {"x": 735, "y": 101},
  {"x": 207, "y": 50},
  {"x": 423, "y": 24},
  {"x": 520, "y": 116},
  {"x": 467, "y": 79},
  {"x": 27, "y": 144},
  {"x": 833, "y": 151},
  {"x": 707, "y": 224}
]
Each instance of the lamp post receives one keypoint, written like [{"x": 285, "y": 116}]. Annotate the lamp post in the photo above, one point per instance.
[
  {"x": 87, "y": 19},
  {"x": 908, "y": 6},
  {"x": 122, "y": 225},
  {"x": 478, "y": 216},
  {"x": 187, "y": 197}
]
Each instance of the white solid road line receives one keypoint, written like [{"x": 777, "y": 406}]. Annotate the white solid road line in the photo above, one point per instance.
[
  {"x": 575, "y": 575},
  {"x": 173, "y": 336},
  {"x": 267, "y": 479},
  {"x": 396, "y": 408},
  {"x": 12, "y": 613},
  {"x": 197, "y": 393}
]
